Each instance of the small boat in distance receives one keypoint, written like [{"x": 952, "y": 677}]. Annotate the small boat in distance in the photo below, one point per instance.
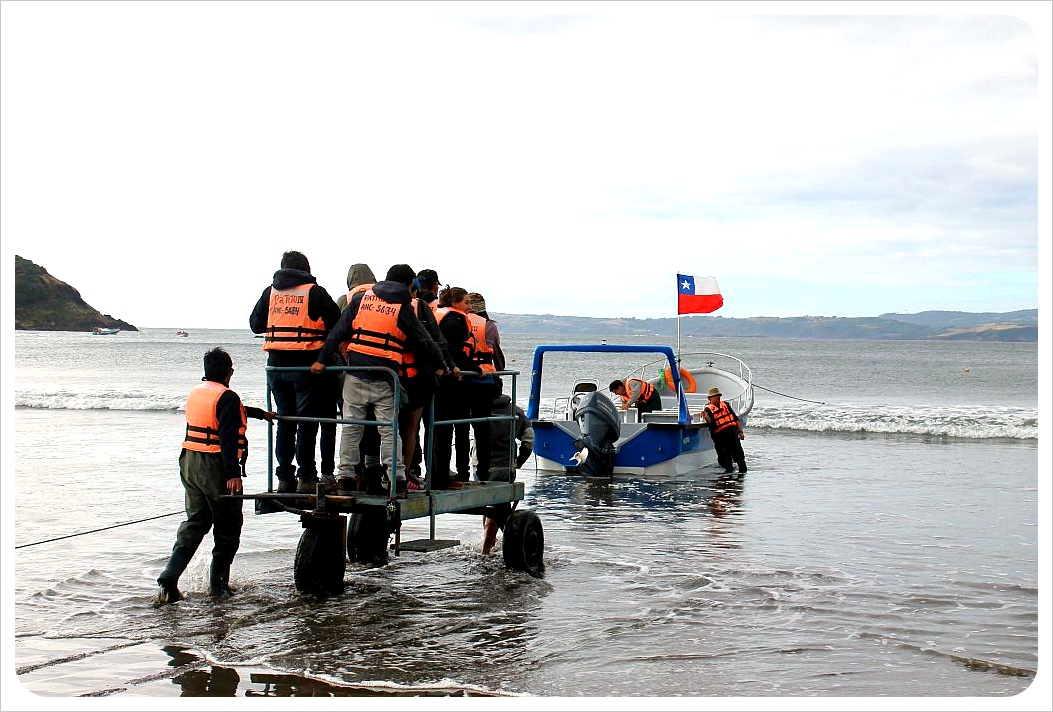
[
  {"x": 104, "y": 330},
  {"x": 586, "y": 433},
  {"x": 181, "y": 333}
]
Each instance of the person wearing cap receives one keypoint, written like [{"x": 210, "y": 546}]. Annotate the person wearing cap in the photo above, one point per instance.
[
  {"x": 420, "y": 387},
  {"x": 428, "y": 287},
  {"x": 635, "y": 391},
  {"x": 211, "y": 465},
  {"x": 726, "y": 430}
]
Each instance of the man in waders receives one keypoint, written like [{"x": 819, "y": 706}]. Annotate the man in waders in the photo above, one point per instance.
[
  {"x": 211, "y": 465},
  {"x": 726, "y": 430}
]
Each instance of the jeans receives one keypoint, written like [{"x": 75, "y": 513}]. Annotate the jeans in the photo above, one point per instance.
[
  {"x": 359, "y": 394},
  {"x": 296, "y": 393}
]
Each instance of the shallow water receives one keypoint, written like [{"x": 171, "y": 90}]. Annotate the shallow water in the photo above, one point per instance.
[{"x": 844, "y": 564}]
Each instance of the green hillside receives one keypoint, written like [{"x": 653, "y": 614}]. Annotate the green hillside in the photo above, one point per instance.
[{"x": 44, "y": 303}]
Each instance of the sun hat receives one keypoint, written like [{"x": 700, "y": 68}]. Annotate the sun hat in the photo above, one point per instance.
[{"x": 714, "y": 391}]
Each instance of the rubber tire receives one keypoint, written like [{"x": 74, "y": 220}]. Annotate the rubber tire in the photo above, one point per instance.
[
  {"x": 367, "y": 537},
  {"x": 319, "y": 566},
  {"x": 524, "y": 543}
]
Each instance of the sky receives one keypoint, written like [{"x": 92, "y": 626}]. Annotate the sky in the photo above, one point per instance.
[{"x": 566, "y": 158}]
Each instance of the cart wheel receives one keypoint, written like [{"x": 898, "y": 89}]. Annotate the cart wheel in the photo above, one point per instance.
[
  {"x": 319, "y": 567},
  {"x": 367, "y": 537},
  {"x": 524, "y": 542}
]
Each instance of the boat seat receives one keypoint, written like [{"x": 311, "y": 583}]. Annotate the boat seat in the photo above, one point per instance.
[{"x": 662, "y": 416}]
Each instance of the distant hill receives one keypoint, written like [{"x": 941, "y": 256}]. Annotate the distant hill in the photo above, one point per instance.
[
  {"x": 934, "y": 325},
  {"x": 44, "y": 303}
]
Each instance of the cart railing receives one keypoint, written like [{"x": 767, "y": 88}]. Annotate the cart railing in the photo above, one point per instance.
[{"x": 430, "y": 427}]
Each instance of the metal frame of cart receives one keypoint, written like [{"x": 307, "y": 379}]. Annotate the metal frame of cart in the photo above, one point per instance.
[{"x": 330, "y": 534}]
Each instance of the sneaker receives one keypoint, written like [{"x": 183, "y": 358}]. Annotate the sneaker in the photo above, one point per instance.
[
  {"x": 166, "y": 593},
  {"x": 329, "y": 485},
  {"x": 286, "y": 486},
  {"x": 454, "y": 484},
  {"x": 417, "y": 480},
  {"x": 728, "y": 470},
  {"x": 412, "y": 486},
  {"x": 346, "y": 486}
]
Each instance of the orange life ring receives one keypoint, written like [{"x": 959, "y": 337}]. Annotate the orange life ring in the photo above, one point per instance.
[{"x": 689, "y": 381}]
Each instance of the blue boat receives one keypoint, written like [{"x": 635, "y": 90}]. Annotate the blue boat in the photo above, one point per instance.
[{"x": 585, "y": 432}]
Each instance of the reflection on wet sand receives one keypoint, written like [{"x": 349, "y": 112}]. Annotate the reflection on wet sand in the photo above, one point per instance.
[{"x": 204, "y": 680}]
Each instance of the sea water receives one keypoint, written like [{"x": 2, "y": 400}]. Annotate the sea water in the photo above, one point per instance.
[{"x": 885, "y": 542}]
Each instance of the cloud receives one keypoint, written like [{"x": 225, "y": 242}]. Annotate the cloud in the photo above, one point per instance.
[{"x": 563, "y": 163}]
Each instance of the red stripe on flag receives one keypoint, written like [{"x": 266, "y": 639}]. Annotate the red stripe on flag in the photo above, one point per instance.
[{"x": 698, "y": 303}]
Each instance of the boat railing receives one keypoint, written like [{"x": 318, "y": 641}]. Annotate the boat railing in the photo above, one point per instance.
[
  {"x": 393, "y": 423},
  {"x": 537, "y": 367}
]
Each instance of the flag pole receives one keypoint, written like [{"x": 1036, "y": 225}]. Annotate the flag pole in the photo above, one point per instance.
[{"x": 678, "y": 323}]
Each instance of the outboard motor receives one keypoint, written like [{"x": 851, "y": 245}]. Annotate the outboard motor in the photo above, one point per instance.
[{"x": 600, "y": 425}]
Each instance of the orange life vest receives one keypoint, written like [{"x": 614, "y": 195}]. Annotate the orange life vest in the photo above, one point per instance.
[
  {"x": 409, "y": 370},
  {"x": 477, "y": 347},
  {"x": 289, "y": 327},
  {"x": 646, "y": 389},
  {"x": 202, "y": 425},
  {"x": 375, "y": 330},
  {"x": 358, "y": 288},
  {"x": 723, "y": 418}
]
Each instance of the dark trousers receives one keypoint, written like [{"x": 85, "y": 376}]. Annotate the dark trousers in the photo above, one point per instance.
[
  {"x": 456, "y": 401},
  {"x": 330, "y": 407},
  {"x": 448, "y": 406},
  {"x": 729, "y": 449},
  {"x": 203, "y": 485},
  {"x": 651, "y": 404},
  {"x": 297, "y": 393}
]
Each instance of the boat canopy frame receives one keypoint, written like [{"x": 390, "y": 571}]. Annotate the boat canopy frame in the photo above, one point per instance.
[{"x": 537, "y": 368}]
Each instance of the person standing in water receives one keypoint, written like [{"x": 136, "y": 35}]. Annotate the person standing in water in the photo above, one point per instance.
[{"x": 211, "y": 465}]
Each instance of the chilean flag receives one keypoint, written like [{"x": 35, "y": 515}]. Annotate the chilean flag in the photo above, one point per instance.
[{"x": 701, "y": 297}]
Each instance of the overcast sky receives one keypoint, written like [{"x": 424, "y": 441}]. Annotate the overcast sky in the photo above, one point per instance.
[{"x": 160, "y": 157}]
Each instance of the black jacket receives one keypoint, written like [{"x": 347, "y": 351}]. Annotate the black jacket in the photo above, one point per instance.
[
  {"x": 425, "y": 351},
  {"x": 319, "y": 306}
]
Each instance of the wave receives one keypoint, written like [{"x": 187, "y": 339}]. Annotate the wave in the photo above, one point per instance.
[
  {"x": 974, "y": 422},
  {"x": 63, "y": 399},
  {"x": 968, "y": 422},
  {"x": 980, "y": 422}
]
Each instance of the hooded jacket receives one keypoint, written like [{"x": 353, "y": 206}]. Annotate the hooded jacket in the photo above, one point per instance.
[
  {"x": 319, "y": 306},
  {"x": 358, "y": 274},
  {"x": 425, "y": 351}
]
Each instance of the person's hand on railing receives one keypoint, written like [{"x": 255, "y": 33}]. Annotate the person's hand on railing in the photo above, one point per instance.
[{"x": 317, "y": 367}]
